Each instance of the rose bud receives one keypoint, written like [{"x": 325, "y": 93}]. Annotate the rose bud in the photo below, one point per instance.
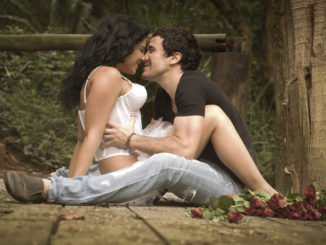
[
  {"x": 234, "y": 217},
  {"x": 322, "y": 209},
  {"x": 295, "y": 216},
  {"x": 249, "y": 211},
  {"x": 310, "y": 193},
  {"x": 304, "y": 216},
  {"x": 297, "y": 206},
  {"x": 256, "y": 203},
  {"x": 196, "y": 213},
  {"x": 313, "y": 215},
  {"x": 308, "y": 201},
  {"x": 268, "y": 212}
]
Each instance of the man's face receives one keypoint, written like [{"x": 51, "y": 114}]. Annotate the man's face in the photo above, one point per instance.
[{"x": 156, "y": 63}]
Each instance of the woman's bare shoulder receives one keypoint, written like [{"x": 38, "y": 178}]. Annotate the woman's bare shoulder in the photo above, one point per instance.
[{"x": 106, "y": 76}]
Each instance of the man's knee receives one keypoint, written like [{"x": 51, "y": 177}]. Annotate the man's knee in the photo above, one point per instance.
[{"x": 215, "y": 115}]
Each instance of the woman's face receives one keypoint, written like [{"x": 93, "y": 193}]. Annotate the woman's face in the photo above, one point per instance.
[{"x": 132, "y": 61}]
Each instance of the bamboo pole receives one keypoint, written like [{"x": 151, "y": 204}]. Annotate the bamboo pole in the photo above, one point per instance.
[{"x": 47, "y": 42}]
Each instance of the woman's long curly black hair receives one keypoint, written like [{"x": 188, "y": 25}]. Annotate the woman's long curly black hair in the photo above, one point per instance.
[{"x": 115, "y": 39}]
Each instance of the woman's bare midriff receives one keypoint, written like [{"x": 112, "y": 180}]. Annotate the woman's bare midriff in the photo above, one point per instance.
[{"x": 116, "y": 162}]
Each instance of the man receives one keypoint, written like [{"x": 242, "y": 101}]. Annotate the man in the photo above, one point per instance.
[{"x": 171, "y": 61}]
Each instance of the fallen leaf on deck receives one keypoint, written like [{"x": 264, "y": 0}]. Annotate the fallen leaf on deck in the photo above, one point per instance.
[{"x": 71, "y": 217}]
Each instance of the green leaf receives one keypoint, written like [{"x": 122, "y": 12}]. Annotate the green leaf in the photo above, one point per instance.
[
  {"x": 222, "y": 202},
  {"x": 263, "y": 194},
  {"x": 219, "y": 212},
  {"x": 237, "y": 199},
  {"x": 294, "y": 197},
  {"x": 246, "y": 204},
  {"x": 207, "y": 214}
]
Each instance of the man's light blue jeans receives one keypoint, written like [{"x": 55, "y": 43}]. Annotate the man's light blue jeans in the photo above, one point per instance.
[{"x": 190, "y": 180}]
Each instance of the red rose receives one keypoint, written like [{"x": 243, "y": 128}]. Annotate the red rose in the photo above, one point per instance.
[
  {"x": 304, "y": 216},
  {"x": 322, "y": 209},
  {"x": 309, "y": 207},
  {"x": 196, "y": 213},
  {"x": 268, "y": 212},
  {"x": 249, "y": 211},
  {"x": 295, "y": 216},
  {"x": 310, "y": 193},
  {"x": 313, "y": 215},
  {"x": 308, "y": 201},
  {"x": 282, "y": 204},
  {"x": 234, "y": 217},
  {"x": 259, "y": 212},
  {"x": 256, "y": 203},
  {"x": 273, "y": 206},
  {"x": 286, "y": 212},
  {"x": 276, "y": 203},
  {"x": 296, "y": 206},
  {"x": 277, "y": 196}
]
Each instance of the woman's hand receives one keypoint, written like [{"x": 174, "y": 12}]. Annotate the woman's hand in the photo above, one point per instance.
[{"x": 116, "y": 134}]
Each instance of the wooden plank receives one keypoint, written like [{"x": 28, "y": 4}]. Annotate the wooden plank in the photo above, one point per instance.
[
  {"x": 177, "y": 228},
  {"x": 26, "y": 224},
  {"x": 103, "y": 225}
]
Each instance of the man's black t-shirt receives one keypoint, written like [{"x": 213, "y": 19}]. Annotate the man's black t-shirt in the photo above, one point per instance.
[{"x": 194, "y": 91}]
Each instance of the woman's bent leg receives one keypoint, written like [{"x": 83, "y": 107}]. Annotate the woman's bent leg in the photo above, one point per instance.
[{"x": 189, "y": 179}]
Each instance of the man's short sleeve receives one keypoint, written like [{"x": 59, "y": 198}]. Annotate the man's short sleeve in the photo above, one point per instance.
[{"x": 190, "y": 98}]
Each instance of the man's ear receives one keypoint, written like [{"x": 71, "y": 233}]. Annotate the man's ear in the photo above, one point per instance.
[{"x": 175, "y": 58}]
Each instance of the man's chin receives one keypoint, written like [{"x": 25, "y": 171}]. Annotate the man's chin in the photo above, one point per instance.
[{"x": 145, "y": 76}]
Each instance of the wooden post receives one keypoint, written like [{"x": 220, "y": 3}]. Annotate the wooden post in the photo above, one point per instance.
[{"x": 230, "y": 70}]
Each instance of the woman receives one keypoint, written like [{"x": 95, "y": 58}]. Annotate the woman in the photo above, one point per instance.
[{"x": 96, "y": 86}]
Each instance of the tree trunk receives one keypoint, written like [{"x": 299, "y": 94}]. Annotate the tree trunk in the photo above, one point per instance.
[
  {"x": 230, "y": 71},
  {"x": 296, "y": 53}
]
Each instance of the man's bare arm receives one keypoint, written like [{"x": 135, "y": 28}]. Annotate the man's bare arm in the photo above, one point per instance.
[{"x": 184, "y": 141}]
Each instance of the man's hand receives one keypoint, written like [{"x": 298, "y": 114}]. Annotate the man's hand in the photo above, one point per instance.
[{"x": 116, "y": 134}]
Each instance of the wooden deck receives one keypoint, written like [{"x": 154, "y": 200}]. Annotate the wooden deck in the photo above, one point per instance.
[{"x": 165, "y": 223}]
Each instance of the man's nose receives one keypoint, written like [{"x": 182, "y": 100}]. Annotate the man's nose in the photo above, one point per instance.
[{"x": 145, "y": 57}]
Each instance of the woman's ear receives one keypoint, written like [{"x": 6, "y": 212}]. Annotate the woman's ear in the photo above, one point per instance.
[{"x": 175, "y": 58}]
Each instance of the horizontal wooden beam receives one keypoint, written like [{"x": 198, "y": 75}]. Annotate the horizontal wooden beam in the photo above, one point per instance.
[{"x": 47, "y": 42}]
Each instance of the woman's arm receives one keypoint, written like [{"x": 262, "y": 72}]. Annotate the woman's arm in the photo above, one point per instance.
[
  {"x": 104, "y": 89},
  {"x": 80, "y": 139}
]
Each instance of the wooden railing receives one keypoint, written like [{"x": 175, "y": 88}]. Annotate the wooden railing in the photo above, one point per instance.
[{"x": 38, "y": 42}]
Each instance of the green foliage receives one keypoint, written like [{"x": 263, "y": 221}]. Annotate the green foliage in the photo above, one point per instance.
[
  {"x": 59, "y": 16},
  {"x": 30, "y": 116},
  {"x": 261, "y": 122}
]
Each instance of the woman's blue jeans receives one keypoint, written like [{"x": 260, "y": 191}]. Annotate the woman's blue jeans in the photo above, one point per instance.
[{"x": 190, "y": 180}]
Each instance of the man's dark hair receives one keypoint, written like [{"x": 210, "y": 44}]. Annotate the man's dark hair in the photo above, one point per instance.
[{"x": 177, "y": 39}]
